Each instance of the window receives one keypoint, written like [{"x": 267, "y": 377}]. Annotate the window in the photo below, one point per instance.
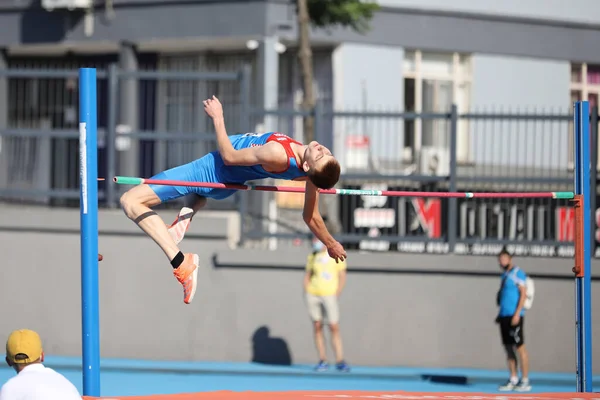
[
  {"x": 587, "y": 88},
  {"x": 433, "y": 82}
]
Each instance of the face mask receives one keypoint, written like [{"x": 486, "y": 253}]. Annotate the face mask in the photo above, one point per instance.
[{"x": 317, "y": 246}]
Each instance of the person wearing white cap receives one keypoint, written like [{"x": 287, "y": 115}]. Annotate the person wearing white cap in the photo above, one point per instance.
[{"x": 34, "y": 381}]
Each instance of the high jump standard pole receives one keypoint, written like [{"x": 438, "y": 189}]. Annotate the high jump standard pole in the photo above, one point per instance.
[
  {"x": 583, "y": 286},
  {"x": 88, "y": 211}
]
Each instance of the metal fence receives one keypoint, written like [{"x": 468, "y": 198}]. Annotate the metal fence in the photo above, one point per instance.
[
  {"x": 149, "y": 121},
  {"x": 492, "y": 152}
]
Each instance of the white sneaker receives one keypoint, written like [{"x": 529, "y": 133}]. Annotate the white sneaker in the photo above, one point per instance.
[
  {"x": 523, "y": 386},
  {"x": 508, "y": 386}
]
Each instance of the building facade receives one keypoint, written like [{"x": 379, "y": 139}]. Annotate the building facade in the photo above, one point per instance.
[{"x": 420, "y": 56}]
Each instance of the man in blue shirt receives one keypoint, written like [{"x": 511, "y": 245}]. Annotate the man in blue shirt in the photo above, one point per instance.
[{"x": 511, "y": 299}]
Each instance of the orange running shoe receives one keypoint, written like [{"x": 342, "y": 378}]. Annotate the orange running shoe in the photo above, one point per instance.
[
  {"x": 181, "y": 224},
  {"x": 187, "y": 275}
]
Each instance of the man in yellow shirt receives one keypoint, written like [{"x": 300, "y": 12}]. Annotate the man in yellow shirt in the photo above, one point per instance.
[{"x": 323, "y": 283}]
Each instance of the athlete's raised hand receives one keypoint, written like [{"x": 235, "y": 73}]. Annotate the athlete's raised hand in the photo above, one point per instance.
[
  {"x": 337, "y": 252},
  {"x": 213, "y": 107}
]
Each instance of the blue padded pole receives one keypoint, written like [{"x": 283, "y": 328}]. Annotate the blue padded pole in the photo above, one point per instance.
[
  {"x": 583, "y": 285},
  {"x": 88, "y": 188}
]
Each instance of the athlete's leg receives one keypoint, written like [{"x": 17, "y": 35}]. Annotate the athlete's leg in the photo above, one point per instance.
[
  {"x": 182, "y": 222},
  {"x": 136, "y": 204},
  {"x": 137, "y": 201},
  {"x": 205, "y": 169},
  {"x": 195, "y": 202}
]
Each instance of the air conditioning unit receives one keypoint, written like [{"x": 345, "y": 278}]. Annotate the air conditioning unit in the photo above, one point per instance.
[
  {"x": 434, "y": 161},
  {"x": 50, "y": 5}
]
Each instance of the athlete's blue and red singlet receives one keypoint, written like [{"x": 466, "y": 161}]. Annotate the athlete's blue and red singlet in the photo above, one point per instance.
[{"x": 211, "y": 168}]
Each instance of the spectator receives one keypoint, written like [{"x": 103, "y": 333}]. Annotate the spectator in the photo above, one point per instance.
[
  {"x": 34, "y": 381},
  {"x": 511, "y": 315},
  {"x": 323, "y": 283}
]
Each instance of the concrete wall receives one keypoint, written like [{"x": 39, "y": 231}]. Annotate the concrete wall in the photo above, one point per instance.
[
  {"x": 503, "y": 84},
  {"x": 396, "y": 310}
]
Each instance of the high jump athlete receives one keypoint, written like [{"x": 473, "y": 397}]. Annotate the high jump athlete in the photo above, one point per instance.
[{"x": 240, "y": 158}]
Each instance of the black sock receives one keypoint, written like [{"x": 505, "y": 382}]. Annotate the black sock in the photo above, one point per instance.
[{"x": 177, "y": 260}]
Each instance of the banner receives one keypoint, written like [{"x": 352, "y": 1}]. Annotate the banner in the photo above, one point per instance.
[{"x": 527, "y": 227}]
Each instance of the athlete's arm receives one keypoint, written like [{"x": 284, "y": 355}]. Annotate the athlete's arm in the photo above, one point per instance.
[
  {"x": 522, "y": 298},
  {"x": 314, "y": 221},
  {"x": 269, "y": 155},
  {"x": 214, "y": 109}
]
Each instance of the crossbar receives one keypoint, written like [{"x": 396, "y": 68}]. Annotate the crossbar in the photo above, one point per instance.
[{"x": 128, "y": 180}]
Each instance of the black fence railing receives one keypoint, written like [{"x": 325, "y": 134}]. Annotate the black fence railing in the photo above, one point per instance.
[{"x": 149, "y": 121}]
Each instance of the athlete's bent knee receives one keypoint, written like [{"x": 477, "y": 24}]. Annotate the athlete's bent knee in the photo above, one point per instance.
[
  {"x": 136, "y": 200},
  {"x": 196, "y": 201},
  {"x": 127, "y": 204}
]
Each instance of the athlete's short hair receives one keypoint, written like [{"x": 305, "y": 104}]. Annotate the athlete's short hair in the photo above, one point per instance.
[{"x": 327, "y": 176}]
